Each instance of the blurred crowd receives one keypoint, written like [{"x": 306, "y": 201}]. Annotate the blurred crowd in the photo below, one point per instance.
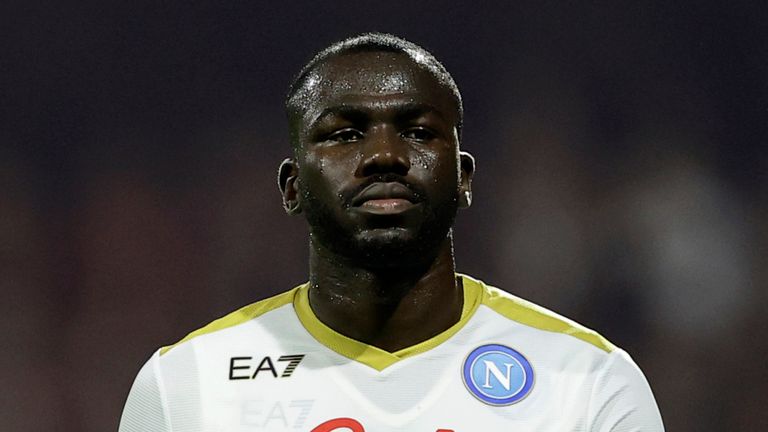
[{"x": 621, "y": 181}]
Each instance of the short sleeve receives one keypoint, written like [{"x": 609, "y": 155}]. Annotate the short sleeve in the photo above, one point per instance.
[
  {"x": 621, "y": 399},
  {"x": 145, "y": 408}
]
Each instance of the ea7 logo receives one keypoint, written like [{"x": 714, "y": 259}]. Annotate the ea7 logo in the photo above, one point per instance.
[{"x": 240, "y": 367}]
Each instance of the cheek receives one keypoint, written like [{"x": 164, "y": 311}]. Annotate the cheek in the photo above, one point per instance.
[
  {"x": 325, "y": 173},
  {"x": 424, "y": 160},
  {"x": 436, "y": 167}
]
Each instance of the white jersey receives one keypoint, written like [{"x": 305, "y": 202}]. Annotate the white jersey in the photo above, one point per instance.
[{"x": 507, "y": 365}]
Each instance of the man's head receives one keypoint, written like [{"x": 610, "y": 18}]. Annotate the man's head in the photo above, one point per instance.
[{"x": 375, "y": 124}]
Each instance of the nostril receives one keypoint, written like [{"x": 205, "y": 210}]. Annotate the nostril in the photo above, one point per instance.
[{"x": 384, "y": 162}]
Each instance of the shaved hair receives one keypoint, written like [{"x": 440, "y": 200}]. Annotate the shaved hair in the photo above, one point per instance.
[{"x": 299, "y": 97}]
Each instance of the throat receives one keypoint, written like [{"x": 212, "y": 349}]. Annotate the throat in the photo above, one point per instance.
[{"x": 392, "y": 310}]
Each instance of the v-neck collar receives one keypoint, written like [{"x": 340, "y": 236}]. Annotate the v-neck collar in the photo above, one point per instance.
[{"x": 370, "y": 355}]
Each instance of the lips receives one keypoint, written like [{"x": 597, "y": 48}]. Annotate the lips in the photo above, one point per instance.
[{"x": 385, "y": 198}]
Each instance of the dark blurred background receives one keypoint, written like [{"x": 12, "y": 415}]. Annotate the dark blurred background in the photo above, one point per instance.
[{"x": 621, "y": 181}]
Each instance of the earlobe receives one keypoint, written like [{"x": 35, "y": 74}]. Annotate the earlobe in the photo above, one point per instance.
[
  {"x": 288, "y": 183},
  {"x": 467, "y": 165},
  {"x": 465, "y": 199}
]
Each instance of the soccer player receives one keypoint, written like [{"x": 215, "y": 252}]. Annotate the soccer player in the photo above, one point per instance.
[{"x": 385, "y": 335}]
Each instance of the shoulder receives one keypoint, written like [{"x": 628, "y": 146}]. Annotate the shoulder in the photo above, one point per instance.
[
  {"x": 239, "y": 317},
  {"x": 535, "y": 317},
  {"x": 621, "y": 397}
]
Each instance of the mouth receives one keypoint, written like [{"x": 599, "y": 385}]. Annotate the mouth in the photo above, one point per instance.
[
  {"x": 385, "y": 199},
  {"x": 386, "y": 206}
]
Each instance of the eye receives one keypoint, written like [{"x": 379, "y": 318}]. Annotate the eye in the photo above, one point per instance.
[
  {"x": 419, "y": 133},
  {"x": 345, "y": 135}
]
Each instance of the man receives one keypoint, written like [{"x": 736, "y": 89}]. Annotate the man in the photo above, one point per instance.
[{"x": 385, "y": 335}]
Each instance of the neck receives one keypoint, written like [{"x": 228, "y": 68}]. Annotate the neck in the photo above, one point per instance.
[{"x": 391, "y": 308}]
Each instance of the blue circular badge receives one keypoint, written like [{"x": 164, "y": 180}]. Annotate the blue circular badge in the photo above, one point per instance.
[{"x": 497, "y": 375}]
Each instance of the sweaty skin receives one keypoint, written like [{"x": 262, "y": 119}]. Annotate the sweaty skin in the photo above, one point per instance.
[{"x": 379, "y": 176}]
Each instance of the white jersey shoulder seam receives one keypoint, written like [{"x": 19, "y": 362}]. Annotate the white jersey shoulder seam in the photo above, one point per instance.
[
  {"x": 238, "y": 317},
  {"x": 533, "y": 315}
]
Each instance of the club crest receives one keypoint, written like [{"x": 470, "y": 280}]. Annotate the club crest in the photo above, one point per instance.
[{"x": 497, "y": 375}]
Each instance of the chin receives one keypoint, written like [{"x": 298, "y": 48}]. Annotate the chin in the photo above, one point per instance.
[
  {"x": 394, "y": 240},
  {"x": 390, "y": 248}
]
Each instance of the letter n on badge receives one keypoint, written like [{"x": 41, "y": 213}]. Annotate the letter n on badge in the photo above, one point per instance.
[{"x": 497, "y": 375}]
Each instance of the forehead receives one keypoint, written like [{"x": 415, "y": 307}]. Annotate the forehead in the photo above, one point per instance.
[{"x": 372, "y": 78}]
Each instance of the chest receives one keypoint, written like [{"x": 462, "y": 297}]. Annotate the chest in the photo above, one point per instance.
[{"x": 316, "y": 390}]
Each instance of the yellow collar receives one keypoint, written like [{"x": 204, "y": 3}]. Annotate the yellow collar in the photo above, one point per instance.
[{"x": 368, "y": 354}]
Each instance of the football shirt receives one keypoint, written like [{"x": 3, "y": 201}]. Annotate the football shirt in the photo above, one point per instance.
[{"x": 507, "y": 365}]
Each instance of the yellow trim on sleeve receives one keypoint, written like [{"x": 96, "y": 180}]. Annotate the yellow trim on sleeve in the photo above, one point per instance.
[
  {"x": 239, "y": 316},
  {"x": 538, "y": 317},
  {"x": 371, "y": 355}
]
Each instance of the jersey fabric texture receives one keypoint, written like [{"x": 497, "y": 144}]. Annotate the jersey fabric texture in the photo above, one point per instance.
[{"x": 507, "y": 365}]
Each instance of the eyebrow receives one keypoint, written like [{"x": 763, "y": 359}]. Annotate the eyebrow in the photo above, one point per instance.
[{"x": 403, "y": 111}]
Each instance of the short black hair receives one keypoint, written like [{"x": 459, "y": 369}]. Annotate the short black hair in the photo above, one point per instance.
[{"x": 373, "y": 42}]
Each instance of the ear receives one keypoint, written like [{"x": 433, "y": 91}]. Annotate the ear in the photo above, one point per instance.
[
  {"x": 288, "y": 182},
  {"x": 467, "y": 165}
]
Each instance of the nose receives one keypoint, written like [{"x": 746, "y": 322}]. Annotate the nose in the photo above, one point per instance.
[{"x": 384, "y": 152}]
